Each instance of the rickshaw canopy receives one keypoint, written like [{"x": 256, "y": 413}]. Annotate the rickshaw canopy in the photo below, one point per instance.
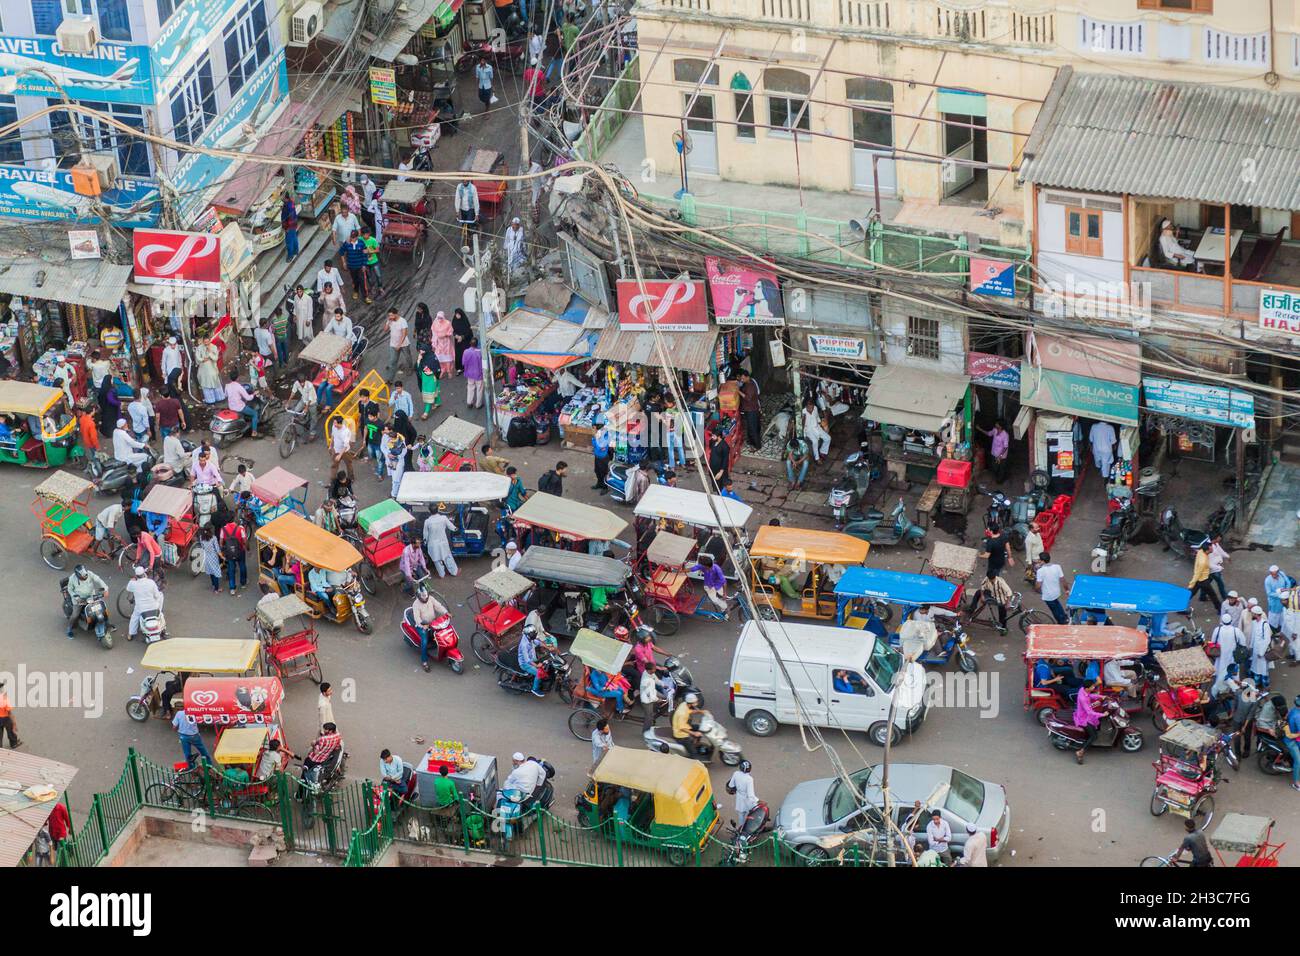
[
  {"x": 381, "y": 518},
  {"x": 1083, "y": 642},
  {"x": 27, "y": 398},
  {"x": 1128, "y": 594},
  {"x": 896, "y": 587},
  {"x": 1189, "y": 736},
  {"x": 456, "y": 434},
  {"x": 326, "y": 349},
  {"x": 815, "y": 547},
  {"x": 453, "y": 487},
  {"x": 670, "y": 550},
  {"x": 233, "y": 700},
  {"x": 571, "y": 519},
  {"x": 573, "y": 568},
  {"x": 680, "y": 786},
  {"x": 275, "y": 613},
  {"x": 503, "y": 585},
  {"x": 64, "y": 488},
  {"x": 596, "y": 650},
  {"x": 205, "y": 655},
  {"x": 695, "y": 508},
  {"x": 405, "y": 193},
  {"x": 1241, "y": 833},
  {"x": 1185, "y": 666},
  {"x": 276, "y": 485},
  {"x": 302, "y": 539},
  {"x": 240, "y": 745},
  {"x": 168, "y": 500}
]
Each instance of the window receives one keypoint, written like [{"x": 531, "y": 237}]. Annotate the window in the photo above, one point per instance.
[
  {"x": 787, "y": 98},
  {"x": 11, "y": 148},
  {"x": 132, "y": 153},
  {"x": 873, "y": 121},
  {"x": 1191, "y": 6},
  {"x": 195, "y": 104},
  {"x": 114, "y": 20},
  {"x": 1082, "y": 231},
  {"x": 871, "y": 91},
  {"x": 690, "y": 71},
  {"x": 745, "y": 115},
  {"x": 247, "y": 44},
  {"x": 165, "y": 9},
  {"x": 922, "y": 337}
]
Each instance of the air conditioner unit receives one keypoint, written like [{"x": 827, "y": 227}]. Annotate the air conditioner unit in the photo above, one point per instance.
[
  {"x": 308, "y": 20},
  {"x": 78, "y": 34},
  {"x": 106, "y": 167}
]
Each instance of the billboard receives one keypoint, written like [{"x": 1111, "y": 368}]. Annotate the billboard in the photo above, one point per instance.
[
  {"x": 1204, "y": 403},
  {"x": 28, "y": 192},
  {"x": 111, "y": 73},
  {"x": 744, "y": 293},
  {"x": 1091, "y": 356},
  {"x": 180, "y": 42},
  {"x": 189, "y": 259},
  {"x": 670, "y": 305},
  {"x": 1078, "y": 395},
  {"x": 993, "y": 277}
]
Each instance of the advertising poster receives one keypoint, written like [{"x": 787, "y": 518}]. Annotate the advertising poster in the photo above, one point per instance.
[
  {"x": 28, "y": 192},
  {"x": 111, "y": 73},
  {"x": 744, "y": 293},
  {"x": 670, "y": 305}
]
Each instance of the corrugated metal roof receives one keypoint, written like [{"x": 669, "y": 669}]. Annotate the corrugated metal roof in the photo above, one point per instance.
[
  {"x": 90, "y": 282},
  {"x": 1194, "y": 141},
  {"x": 21, "y": 818},
  {"x": 688, "y": 351},
  {"x": 400, "y": 27}
]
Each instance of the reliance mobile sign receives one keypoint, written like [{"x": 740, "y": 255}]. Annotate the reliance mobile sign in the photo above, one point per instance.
[
  {"x": 30, "y": 193},
  {"x": 111, "y": 73},
  {"x": 187, "y": 259}
]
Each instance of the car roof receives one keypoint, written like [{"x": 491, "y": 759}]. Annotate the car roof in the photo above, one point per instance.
[{"x": 809, "y": 643}]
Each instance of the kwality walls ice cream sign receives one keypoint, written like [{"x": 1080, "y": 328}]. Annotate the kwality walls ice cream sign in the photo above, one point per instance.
[
  {"x": 31, "y": 193},
  {"x": 111, "y": 73},
  {"x": 247, "y": 119}
]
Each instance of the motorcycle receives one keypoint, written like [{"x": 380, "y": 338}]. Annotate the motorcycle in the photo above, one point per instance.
[
  {"x": 1183, "y": 542},
  {"x": 93, "y": 616},
  {"x": 556, "y": 670},
  {"x": 351, "y": 589},
  {"x": 1114, "y": 729},
  {"x": 209, "y": 506},
  {"x": 153, "y": 627},
  {"x": 228, "y": 426},
  {"x": 860, "y": 470},
  {"x": 743, "y": 833},
  {"x": 505, "y": 52},
  {"x": 715, "y": 741},
  {"x": 319, "y": 780},
  {"x": 444, "y": 642},
  {"x": 1121, "y": 522},
  {"x": 872, "y": 528},
  {"x": 110, "y": 475}
]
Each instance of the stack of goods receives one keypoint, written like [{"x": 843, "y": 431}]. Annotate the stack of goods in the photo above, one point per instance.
[
  {"x": 450, "y": 754},
  {"x": 578, "y": 412}
]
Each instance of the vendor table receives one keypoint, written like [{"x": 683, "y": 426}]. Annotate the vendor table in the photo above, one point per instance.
[
  {"x": 504, "y": 415},
  {"x": 481, "y": 779}
]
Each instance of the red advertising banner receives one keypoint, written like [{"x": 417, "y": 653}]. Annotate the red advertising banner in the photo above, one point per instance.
[
  {"x": 233, "y": 700},
  {"x": 189, "y": 259},
  {"x": 744, "y": 293},
  {"x": 672, "y": 305}
]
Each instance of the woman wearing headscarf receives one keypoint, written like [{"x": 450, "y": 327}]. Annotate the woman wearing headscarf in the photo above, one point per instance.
[
  {"x": 430, "y": 388},
  {"x": 423, "y": 324},
  {"x": 402, "y": 426},
  {"x": 463, "y": 333},
  {"x": 110, "y": 406},
  {"x": 444, "y": 345}
]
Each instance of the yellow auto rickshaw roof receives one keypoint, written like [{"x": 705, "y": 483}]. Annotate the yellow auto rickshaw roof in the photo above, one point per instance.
[
  {"x": 316, "y": 546},
  {"x": 819, "y": 547},
  {"x": 680, "y": 785},
  {"x": 240, "y": 745},
  {"x": 27, "y": 398},
  {"x": 206, "y": 655}
]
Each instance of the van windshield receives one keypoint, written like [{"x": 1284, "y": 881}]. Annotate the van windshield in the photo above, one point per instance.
[{"x": 883, "y": 664}]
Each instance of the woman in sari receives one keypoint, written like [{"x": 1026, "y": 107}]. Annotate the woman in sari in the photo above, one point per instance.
[
  {"x": 444, "y": 345},
  {"x": 463, "y": 333},
  {"x": 430, "y": 387}
]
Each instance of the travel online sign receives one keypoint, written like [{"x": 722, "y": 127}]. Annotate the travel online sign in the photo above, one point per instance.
[
  {"x": 29, "y": 192},
  {"x": 111, "y": 73},
  {"x": 182, "y": 40}
]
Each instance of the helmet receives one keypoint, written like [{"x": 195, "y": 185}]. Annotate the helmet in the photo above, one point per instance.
[
  {"x": 620, "y": 633},
  {"x": 692, "y": 698},
  {"x": 548, "y": 641},
  {"x": 80, "y": 571},
  {"x": 530, "y": 631},
  {"x": 746, "y": 766}
]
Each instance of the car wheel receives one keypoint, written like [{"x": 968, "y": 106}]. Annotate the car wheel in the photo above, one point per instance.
[
  {"x": 760, "y": 723},
  {"x": 879, "y": 733},
  {"x": 814, "y": 855}
]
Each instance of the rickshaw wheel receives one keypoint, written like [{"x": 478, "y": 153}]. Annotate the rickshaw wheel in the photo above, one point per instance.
[
  {"x": 1158, "y": 805},
  {"x": 582, "y": 722},
  {"x": 367, "y": 578},
  {"x": 917, "y": 543},
  {"x": 482, "y": 647},
  {"x": 256, "y": 810},
  {"x": 677, "y": 856},
  {"x": 54, "y": 554},
  {"x": 565, "y": 690},
  {"x": 665, "y": 619},
  {"x": 316, "y": 675},
  {"x": 196, "y": 561},
  {"x": 126, "y": 557},
  {"x": 1203, "y": 812},
  {"x": 125, "y": 603},
  {"x": 1029, "y": 618},
  {"x": 885, "y": 612},
  {"x": 1159, "y": 719},
  {"x": 137, "y": 709},
  {"x": 418, "y": 253}
]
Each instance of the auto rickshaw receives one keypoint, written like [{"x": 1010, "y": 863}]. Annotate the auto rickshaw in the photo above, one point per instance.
[
  {"x": 290, "y": 547},
  {"x": 452, "y": 445},
  {"x": 498, "y": 615},
  {"x": 466, "y": 494},
  {"x": 35, "y": 434},
  {"x": 661, "y": 802},
  {"x": 866, "y": 597},
  {"x": 62, "y": 506},
  {"x": 666, "y": 580},
  {"x": 576, "y": 590},
  {"x": 793, "y": 572},
  {"x": 555, "y": 522},
  {"x": 1075, "y": 644},
  {"x": 278, "y": 492},
  {"x": 169, "y": 514},
  {"x": 173, "y": 660},
  {"x": 381, "y": 542},
  {"x": 1094, "y": 598},
  {"x": 288, "y": 636},
  {"x": 692, "y": 514}
]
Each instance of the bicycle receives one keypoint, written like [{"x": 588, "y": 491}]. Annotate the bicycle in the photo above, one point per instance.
[
  {"x": 1024, "y": 617},
  {"x": 297, "y": 427},
  {"x": 183, "y": 791},
  {"x": 1158, "y": 861}
]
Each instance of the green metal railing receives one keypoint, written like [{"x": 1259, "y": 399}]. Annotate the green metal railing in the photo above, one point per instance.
[{"x": 607, "y": 121}]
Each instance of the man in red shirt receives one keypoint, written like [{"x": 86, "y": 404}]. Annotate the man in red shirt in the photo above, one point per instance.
[
  {"x": 171, "y": 415},
  {"x": 234, "y": 548}
]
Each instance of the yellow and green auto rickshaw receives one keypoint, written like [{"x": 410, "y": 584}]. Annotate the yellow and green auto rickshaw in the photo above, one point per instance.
[
  {"x": 38, "y": 430},
  {"x": 659, "y": 801}
]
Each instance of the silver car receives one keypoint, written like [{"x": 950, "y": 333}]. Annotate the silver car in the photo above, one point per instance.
[{"x": 816, "y": 815}]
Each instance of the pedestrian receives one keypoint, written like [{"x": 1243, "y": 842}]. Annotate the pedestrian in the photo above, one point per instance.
[
  {"x": 234, "y": 548},
  {"x": 280, "y": 333},
  {"x": 536, "y": 46},
  {"x": 517, "y": 493},
  {"x": 600, "y": 458},
  {"x": 483, "y": 74},
  {"x": 289, "y": 223},
  {"x": 514, "y": 244},
  {"x": 1260, "y": 636},
  {"x": 1200, "y": 582},
  {"x": 187, "y": 731},
  {"x": 354, "y": 256},
  {"x": 265, "y": 340},
  {"x": 1033, "y": 548},
  {"x": 436, "y": 528},
  {"x": 374, "y": 277},
  {"x": 371, "y": 428},
  {"x": 393, "y": 447},
  {"x": 341, "y": 452},
  {"x": 796, "y": 462},
  {"x": 324, "y": 705},
  {"x": 430, "y": 388},
  {"x": 138, "y": 412},
  {"x": 207, "y": 355},
  {"x": 552, "y": 482},
  {"x": 1218, "y": 555},
  {"x": 444, "y": 344},
  {"x": 750, "y": 409},
  {"x": 714, "y": 581},
  {"x": 719, "y": 458},
  {"x": 172, "y": 363},
  {"x": 997, "y": 550},
  {"x": 399, "y": 400},
  {"x": 7, "y": 728},
  {"x": 169, "y": 412},
  {"x": 473, "y": 368},
  {"x": 1233, "y": 606},
  {"x": 975, "y": 851},
  {"x": 741, "y": 786},
  {"x": 999, "y": 445},
  {"x": 938, "y": 836},
  {"x": 211, "y": 552},
  {"x": 346, "y": 224},
  {"x": 814, "y": 432},
  {"x": 1234, "y": 648},
  {"x": 672, "y": 430},
  {"x": 1102, "y": 439},
  {"x": 334, "y": 303},
  {"x": 648, "y": 693},
  {"x": 304, "y": 316},
  {"x": 467, "y": 202},
  {"x": 464, "y": 335},
  {"x": 399, "y": 344},
  {"x": 1049, "y": 579},
  {"x": 1275, "y": 582},
  {"x": 601, "y": 741},
  {"x": 328, "y": 274}
]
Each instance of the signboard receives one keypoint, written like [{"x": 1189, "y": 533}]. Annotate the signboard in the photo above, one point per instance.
[
  {"x": 189, "y": 259},
  {"x": 1203, "y": 403},
  {"x": 1078, "y": 395},
  {"x": 180, "y": 42},
  {"x": 1279, "y": 312},
  {"x": 993, "y": 371},
  {"x": 28, "y": 192},
  {"x": 670, "y": 305},
  {"x": 993, "y": 277},
  {"x": 744, "y": 293},
  {"x": 83, "y": 243},
  {"x": 1060, "y": 454},
  {"x": 837, "y": 346},
  {"x": 233, "y": 700},
  {"x": 1089, "y": 356},
  {"x": 111, "y": 73},
  {"x": 383, "y": 86}
]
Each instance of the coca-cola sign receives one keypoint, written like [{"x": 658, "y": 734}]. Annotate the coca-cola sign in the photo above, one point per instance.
[{"x": 189, "y": 259}]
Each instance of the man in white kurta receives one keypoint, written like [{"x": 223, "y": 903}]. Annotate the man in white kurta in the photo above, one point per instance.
[
  {"x": 1102, "y": 438},
  {"x": 436, "y": 527}
]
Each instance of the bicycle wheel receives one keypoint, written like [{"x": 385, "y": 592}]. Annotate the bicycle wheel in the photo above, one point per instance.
[
  {"x": 1153, "y": 861},
  {"x": 125, "y": 603},
  {"x": 288, "y": 440},
  {"x": 1031, "y": 616},
  {"x": 54, "y": 554},
  {"x": 256, "y": 810},
  {"x": 165, "y": 795},
  {"x": 582, "y": 722},
  {"x": 483, "y": 648}
]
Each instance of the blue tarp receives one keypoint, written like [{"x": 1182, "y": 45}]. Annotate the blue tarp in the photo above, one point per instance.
[
  {"x": 1128, "y": 594},
  {"x": 896, "y": 587}
]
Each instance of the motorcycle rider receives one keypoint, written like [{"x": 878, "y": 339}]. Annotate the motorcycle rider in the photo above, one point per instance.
[
  {"x": 527, "y": 655},
  {"x": 328, "y": 745},
  {"x": 526, "y": 776},
  {"x": 147, "y": 597},
  {"x": 83, "y": 586},
  {"x": 741, "y": 786},
  {"x": 424, "y": 611},
  {"x": 686, "y": 730}
]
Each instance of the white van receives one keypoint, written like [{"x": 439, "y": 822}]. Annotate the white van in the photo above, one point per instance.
[{"x": 858, "y": 700}]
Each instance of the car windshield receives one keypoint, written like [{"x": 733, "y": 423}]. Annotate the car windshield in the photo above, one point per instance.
[
  {"x": 883, "y": 664},
  {"x": 965, "y": 796},
  {"x": 841, "y": 800}
]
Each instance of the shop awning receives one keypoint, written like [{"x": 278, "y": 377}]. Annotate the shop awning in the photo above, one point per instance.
[
  {"x": 39, "y": 783},
  {"x": 242, "y": 192},
  {"x": 913, "y": 398},
  {"x": 541, "y": 339},
  {"x": 690, "y": 353},
  {"x": 90, "y": 282},
  {"x": 401, "y": 27},
  {"x": 445, "y": 12}
]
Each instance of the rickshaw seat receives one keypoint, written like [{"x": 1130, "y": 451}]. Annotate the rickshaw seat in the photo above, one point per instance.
[
  {"x": 665, "y": 582},
  {"x": 294, "y": 646},
  {"x": 498, "y": 619},
  {"x": 1176, "y": 781},
  {"x": 1041, "y": 694}
]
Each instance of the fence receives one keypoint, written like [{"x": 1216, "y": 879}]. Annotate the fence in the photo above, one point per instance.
[{"x": 609, "y": 119}]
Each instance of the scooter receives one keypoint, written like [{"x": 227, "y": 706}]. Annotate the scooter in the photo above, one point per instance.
[
  {"x": 228, "y": 426},
  {"x": 444, "y": 642},
  {"x": 1115, "y": 729},
  {"x": 511, "y": 677},
  {"x": 153, "y": 627},
  {"x": 743, "y": 833},
  {"x": 1183, "y": 542},
  {"x": 208, "y": 506},
  {"x": 1121, "y": 522},
  {"x": 860, "y": 470},
  {"x": 110, "y": 475},
  {"x": 899, "y": 530},
  {"x": 715, "y": 741},
  {"x": 93, "y": 616}
]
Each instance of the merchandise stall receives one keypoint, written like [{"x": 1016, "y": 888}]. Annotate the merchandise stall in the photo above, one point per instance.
[{"x": 922, "y": 417}]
